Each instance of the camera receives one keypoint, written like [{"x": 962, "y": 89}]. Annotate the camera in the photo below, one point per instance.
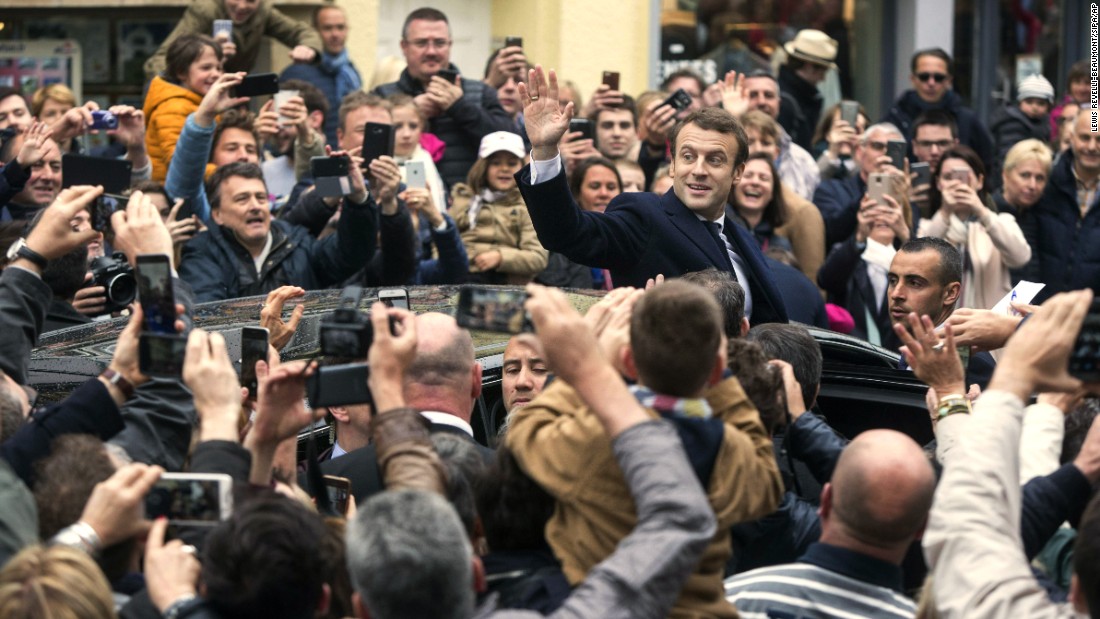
[
  {"x": 116, "y": 276},
  {"x": 347, "y": 333}
]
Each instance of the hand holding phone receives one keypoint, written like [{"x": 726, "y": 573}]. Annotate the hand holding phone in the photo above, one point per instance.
[
  {"x": 158, "y": 302},
  {"x": 331, "y": 175},
  {"x": 254, "y": 342},
  {"x": 611, "y": 79},
  {"x": 378, "y": 140},
  {"x": 192, "y": 499},
  {"x": 492, "y": 310},
  {"x": 257, "y": 84},
  {"x": 897, "y": 149},
  {"x": 679, "y": 100},
  {"x": 584, "y": 126}
]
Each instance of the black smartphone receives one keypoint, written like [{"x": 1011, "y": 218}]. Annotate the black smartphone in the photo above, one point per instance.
[
  {"x": 339, "y": 491},
  {"x": 103, "y": 119},
  {"x": 923, "y": 172},
  {"x": 112, "y": 174},
  {"x": 257, "y": 84},
  {"x": 158, "y": 303},
  {"x": 105, "y": 206},
  {"x": 330, "y": 175},
  {"x": 192, "y": 499},
  {"x": 611, "y": 78},
  {"x": 377, "y": 141},
  {"x": 513, "y": 41},
  {"x": 448, "y": 75},
  {"x": 492, "y": 310},
  {"x": 187, "y": 211},
  {"x": 849, "y": 112},
  {"x": 896, "y": 149},
  {"x": 679, "y": 100},
  {"x": 339, "y": 385},
  {"x": 1084, "y": 361},
  {"x": 588, "y": 131},
  {"x": 161, "y": 355},
  {"x": 253, "y": 349},
  {"x": 394, "y": 297}
]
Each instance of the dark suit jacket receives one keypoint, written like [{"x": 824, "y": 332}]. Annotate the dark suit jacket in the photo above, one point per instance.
[
  {"x": 361, "y": 465},
  {"x": 642, "y": 235}
]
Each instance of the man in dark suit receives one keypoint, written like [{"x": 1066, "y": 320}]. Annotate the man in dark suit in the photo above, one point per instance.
[
  {"x": 642, "y": 235},
  {"x": 442, "y": 382}
]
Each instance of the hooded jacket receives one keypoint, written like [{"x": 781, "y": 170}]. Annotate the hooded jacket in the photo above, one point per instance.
[{"x": 167, "y": 107}]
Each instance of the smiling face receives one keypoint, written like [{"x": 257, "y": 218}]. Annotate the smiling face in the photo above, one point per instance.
[
  {"x": 407, "y": 128},
  {"x": 754, "y": 193},
  {"x": 598, "y": 188},
  {"x": 501, "y": 170},
  {"x": 703, "y": 169},
  {"x": 241, "y": 11},
  {"x": 202, "y": 73},
  {"x": 427, "y": 48},
  {"x": 45, "y": 180},
  {"x": 763, "y": 95},
  {"x": 243, "y": 209},
  {"x": 615, "y": 133}
]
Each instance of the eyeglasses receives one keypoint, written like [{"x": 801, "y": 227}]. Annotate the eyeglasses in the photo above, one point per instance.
[
  {"x": 423, "y": 44},
  {"x": 927, "y": 144},
  {"x": 879, "y": 146},
  {"x": 937, "y": 77}
]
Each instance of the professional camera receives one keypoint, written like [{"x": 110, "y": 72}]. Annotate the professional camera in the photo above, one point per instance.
[
  {"x": 116, "y": 276},
  {"x": 347, "y": 333}
]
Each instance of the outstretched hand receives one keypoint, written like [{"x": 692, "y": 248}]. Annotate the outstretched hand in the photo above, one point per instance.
[
  {"x": 934, "y": 359},
  {"x": 545, "y": 120}
]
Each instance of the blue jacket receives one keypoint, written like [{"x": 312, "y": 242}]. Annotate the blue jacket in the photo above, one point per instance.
[
  {"x": 1065, "y": 247},
  {"x": 971, "y": 130},
  {"x": 187, "y": 170},
  {"x": 316, "y": 74},
  {"x": 838, "y": 201},
  {"x": 219, "y": 268},
  {"x": 451, "y": 264},
  {"x": 642, "y": 235}
]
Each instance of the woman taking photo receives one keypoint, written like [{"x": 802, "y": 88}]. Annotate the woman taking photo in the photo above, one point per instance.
[
  {"x": 194, "y": 64},
  {"x": 991, "y": 242},
  {"x": 492, "y": 218}
]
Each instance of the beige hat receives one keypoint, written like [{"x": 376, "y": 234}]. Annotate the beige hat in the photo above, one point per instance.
[
  {"x": 501, "y": 141},
  {"x": 813, "y": 46}
]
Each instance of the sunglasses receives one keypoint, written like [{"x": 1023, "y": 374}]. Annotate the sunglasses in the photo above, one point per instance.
[{"x": 936, "y": 77}]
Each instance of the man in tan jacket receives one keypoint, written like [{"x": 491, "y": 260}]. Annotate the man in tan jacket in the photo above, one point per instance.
[{"x": 673, "y": 345}]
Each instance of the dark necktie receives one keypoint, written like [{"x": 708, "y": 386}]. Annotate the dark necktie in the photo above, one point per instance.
[{"x": 723, "y": 246}]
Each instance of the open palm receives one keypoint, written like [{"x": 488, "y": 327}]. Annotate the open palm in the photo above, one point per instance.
[{"x": 545, "y": 120}]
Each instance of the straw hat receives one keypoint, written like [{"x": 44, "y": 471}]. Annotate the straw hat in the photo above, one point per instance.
[{"x": 813, "y": 46}]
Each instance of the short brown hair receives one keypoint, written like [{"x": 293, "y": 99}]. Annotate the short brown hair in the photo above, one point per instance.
[
  {"x": 675, "y": 332},
  {"x": 775, "y": 213},
  {"x": 426, "y": 14},
  {"x": 400, "y": 99},
  {"x": 761, "y": 381},
  {"x": 715, "y": 119},
  {"x": 54, "y": 92},
  {"x": 358, "y": 99},
  {"x": 184, "y": 51},
  {"x": 762, "y": 123},
  {"x": 236, "y": 118}
]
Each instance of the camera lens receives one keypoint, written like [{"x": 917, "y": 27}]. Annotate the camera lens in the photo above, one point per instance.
[{"x": 122, "y": 289}]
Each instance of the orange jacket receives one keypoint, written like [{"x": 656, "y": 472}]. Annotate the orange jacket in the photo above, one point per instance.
[{"x": 167, "y": 107}]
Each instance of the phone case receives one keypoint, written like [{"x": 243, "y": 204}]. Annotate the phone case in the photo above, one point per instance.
[
  {"x": 415, "y": 175},
  {"x": 611, "y": 78},
  {"x": 257, "y": 85}
]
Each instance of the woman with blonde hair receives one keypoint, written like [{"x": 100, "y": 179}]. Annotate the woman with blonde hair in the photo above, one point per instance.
[
  {"x": 49, "y": 104},
  {"x": 58, "y": 582}
]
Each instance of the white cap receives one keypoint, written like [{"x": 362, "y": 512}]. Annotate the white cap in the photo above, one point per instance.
[
  {"x": 1035, "y": 87},
  {"x": 501, "y": 141}
]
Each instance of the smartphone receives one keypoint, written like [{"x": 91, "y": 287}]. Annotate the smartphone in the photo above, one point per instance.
[
  {"x": 1084, "y": 361},
  {"x": 394, "y": 297},
  {"x": 253, "y": 349},
  {"x": 588, "y": 131},
  {"x": 849, "y": 112},
  {"x": 448, "y": 75},
  {"x": 330, "y": 175},
  {"x": 223, "y": 26},
  {"x": 415, "y": 175},
  {"x": 923, "y": 172},
  {"x": 339, "y": 492},
  {"x": 112, "y": 174},
  {"x": 513, "y": 41},
  {"x": 679, "y": 100},
  {"x": 161, "y": 354},
  {"x": 957, "y": 174},
  {"x": 258, "y": 84},
  {"x": 158, "y": 303},
  {"x": 611, "y": 78},
  {"x": 105, "y": 206},
  {"x": 192, "y": 499},
  {"x": 339, "y": 385},
  {"x": 880, "y": 184},
  {"x": 492, "y": 310},
  {"x": 377, "y": 141},
  {"x": 897, "y": 149},
  {"x": 187, "y": 211},
  {"x": 103, "y": 119}
]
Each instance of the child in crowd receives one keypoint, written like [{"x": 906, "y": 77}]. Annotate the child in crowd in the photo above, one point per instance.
[{"x": 1028, "y": 118}]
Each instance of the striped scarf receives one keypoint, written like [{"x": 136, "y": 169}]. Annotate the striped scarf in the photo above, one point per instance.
[{"x": 671, "y": 405}]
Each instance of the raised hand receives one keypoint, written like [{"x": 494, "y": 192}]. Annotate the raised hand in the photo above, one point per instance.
[
  {"x": 218, "y": 99},
  {"x": 934, "y": 359},
  {"x": 140, "y": 230},
  {"x": 214, "y": 384},
  {"x": 54, "y": 235},
  {"x": 546, "y": 122},
  {"x": 271, "y": 316},
  {"x": 183, "y": 229},
  {"x": 34, "y": 145},
  {"x": 734, "y": 98}
]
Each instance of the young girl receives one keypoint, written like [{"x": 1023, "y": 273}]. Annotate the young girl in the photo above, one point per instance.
[
  {"x": 492, "y": 218},
  {"x": 194, "y": 64}
]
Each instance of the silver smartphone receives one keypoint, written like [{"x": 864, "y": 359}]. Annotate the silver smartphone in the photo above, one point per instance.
[
  {"x": 193, "y": 499},
  {"x": 415, "y": 176}
]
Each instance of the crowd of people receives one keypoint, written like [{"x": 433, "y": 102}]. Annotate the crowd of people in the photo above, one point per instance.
[{"x": 647, "y": 458}]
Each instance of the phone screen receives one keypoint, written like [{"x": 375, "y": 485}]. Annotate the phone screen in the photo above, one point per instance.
[
  {"x": 161, "y": 355},
  {"x": 195, "y": 500},
  {"x": 253, "y": 349},
  {"x": 394, "y": 297},
  {"x": 1084, "y": 361},
  {"x": 154, "y": 279},
  {"x": 339, "y": 491},
  {"x": 415, "y": 175},
  {"x": 492, "y": 310}
]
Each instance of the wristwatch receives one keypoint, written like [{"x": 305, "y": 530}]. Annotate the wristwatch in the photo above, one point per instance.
[{"x": 19, "y": 249}]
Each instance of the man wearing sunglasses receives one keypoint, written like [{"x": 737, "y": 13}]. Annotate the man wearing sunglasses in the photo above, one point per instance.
[{"x": 932, "y": 80}]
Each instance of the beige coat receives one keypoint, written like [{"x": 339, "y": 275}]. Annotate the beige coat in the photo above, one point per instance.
[{"x": 504, "y": 226}]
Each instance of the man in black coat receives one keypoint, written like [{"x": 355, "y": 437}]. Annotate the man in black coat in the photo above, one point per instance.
[
  {"x": 442, "y": 383},
  {"x": 642, "y": 235},
  {"x": 810, "y": 56}
]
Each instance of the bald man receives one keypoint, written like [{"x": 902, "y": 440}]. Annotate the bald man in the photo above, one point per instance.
[
  {"x": 871, "y": 511},
  {"x": 442, "y": 382}
]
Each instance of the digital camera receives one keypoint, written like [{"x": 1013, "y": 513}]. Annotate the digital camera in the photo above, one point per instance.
[{"x": 116, "y": 276}]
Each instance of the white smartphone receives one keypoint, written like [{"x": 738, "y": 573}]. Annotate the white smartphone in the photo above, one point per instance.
[
  {"x": 394, "y": 297},
  {"x": 193, "y": 499},
  {"x": 415, "y": 177}
]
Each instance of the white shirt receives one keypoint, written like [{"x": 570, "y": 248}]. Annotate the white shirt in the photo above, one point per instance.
[
  {"x": 259, "y": 260},
  {"x": 447, "y": 419}
]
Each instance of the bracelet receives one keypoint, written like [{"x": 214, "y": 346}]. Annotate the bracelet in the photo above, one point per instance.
[
  {"x": 118, "y": 380},
  {"x": 952, "y": 404},
  {"x": 79, "y": 535}
]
